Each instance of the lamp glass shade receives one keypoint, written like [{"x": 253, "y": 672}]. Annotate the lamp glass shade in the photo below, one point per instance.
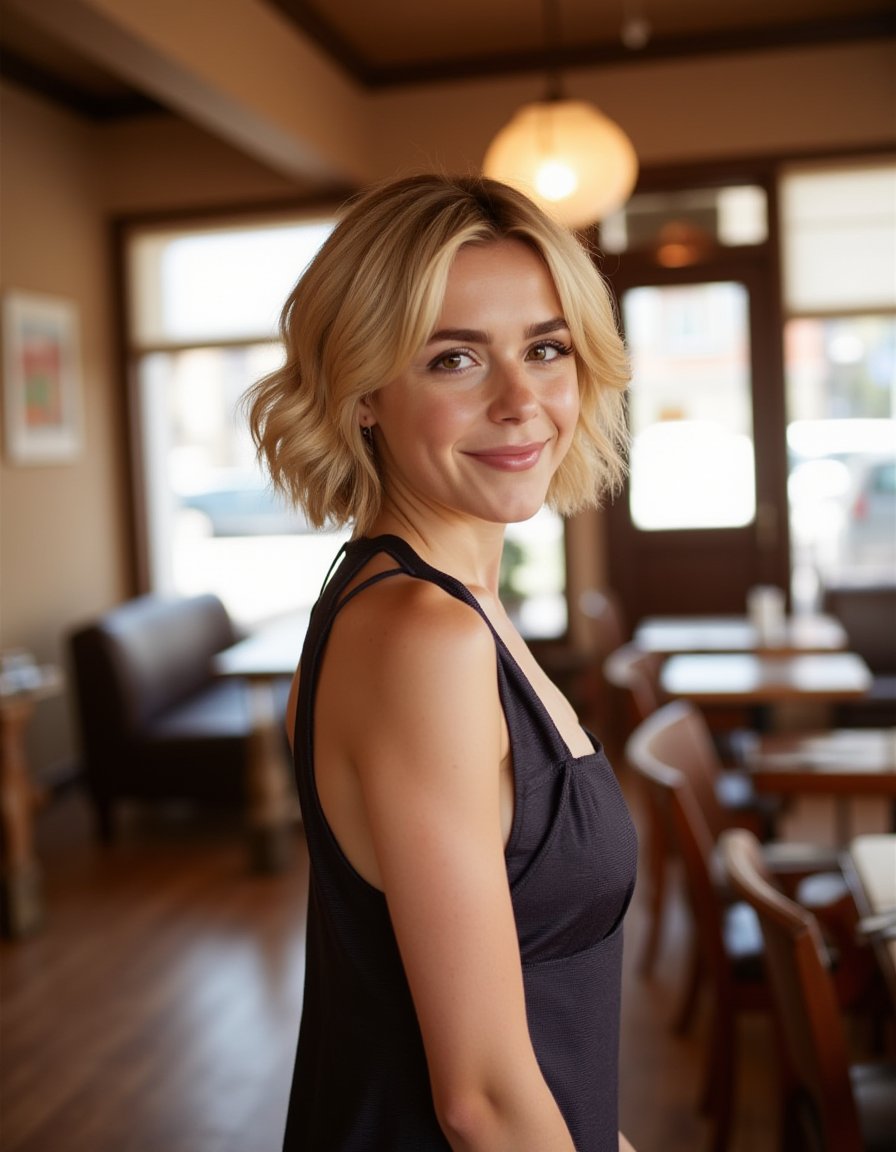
[{"x": 573, "y": 161}]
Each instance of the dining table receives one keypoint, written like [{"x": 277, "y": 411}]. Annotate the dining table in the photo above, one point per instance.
[
  {"x": 799, "y": 633},
  {"x": 869, "y": 865},
  {"x": 841, "y": 763},
  {"x": 263, "y": 659},
  {"x": 746, "y": 679}
]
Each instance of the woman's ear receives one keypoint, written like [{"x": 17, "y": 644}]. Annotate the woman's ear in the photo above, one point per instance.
[{"x": 366, "y": 415}]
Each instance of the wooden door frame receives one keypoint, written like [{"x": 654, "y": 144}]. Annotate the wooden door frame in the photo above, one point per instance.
[{"x": 758, "y": 267}]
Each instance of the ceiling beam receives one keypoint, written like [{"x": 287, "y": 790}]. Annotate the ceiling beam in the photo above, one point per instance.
[
  {"x": 256, "y": 82},
  {"x": 374, "y": 74}
]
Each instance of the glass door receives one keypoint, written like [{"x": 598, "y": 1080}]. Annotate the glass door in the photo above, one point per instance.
[{"x": 702, "y": 518}]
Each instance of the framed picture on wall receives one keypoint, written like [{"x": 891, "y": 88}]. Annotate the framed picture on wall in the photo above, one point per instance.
[{"x": 41, "y": 379}]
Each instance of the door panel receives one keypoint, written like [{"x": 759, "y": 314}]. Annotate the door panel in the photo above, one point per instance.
[{"x": 702, "y": 517}]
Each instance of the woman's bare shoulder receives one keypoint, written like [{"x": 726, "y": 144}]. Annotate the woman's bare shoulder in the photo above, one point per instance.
[
  {"x": 411, "y": 659},
  {"x": 403, "y": 618}
]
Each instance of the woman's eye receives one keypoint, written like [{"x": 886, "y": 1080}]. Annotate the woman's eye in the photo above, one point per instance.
[
  {"x": 452, "y": 361},
  {"x": 549, "y": 350}
]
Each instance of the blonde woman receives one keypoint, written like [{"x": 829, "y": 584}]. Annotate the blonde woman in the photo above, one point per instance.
[{"x": 452, "y": 363}]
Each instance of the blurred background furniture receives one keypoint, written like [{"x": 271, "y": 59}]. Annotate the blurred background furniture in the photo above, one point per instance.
[
  {"x": 867, "y": 611},
  {"x": 837, "y": 1106},
  {"x": 667, "y": 635},
  {"x": 733, "y": 801},
  {"x": 156, "y": 722},
  {"x": 728, "y": 949},
  {"x": 673, "y": 755},
  {"x": 23, "y": 684},
  {"x": 751, "y": 679},
  {"x": 870, "y": 869},
  {"x": 265, "y": 663},
  {"x": 844, "y": 763}
]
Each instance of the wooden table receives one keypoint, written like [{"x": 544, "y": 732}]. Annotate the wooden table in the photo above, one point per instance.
[
  {"x": 845, "y": 761},
  {"x": 841, "y": 763},
  {"x": 21, "y": 903},
  {"x": 870, "y": 870},
  {"x": 746, "y": 679},
  {"x": 263, "y": 658},
  {"x": 667, "y": 635}
]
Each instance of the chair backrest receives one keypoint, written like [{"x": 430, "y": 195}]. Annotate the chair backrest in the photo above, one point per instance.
[
  {"x": 660, "y": 752},
  {"x": 803, "y": 992},
  {"x": 636, "y": 672},
  {"x": 603, "y": 610},
  {"x": 677, "y": 735}
]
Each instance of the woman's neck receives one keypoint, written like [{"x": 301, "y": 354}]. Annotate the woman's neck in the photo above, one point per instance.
[{"x": 466, "y": 549}]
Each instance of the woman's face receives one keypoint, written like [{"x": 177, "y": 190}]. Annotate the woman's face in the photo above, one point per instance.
[{"x": 481, "y": 419}]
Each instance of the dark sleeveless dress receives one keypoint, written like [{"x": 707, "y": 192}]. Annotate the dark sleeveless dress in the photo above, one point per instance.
[{"x": 360, "y": 1082}]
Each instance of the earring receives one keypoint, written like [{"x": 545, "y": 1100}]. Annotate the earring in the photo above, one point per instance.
[{"x": 367, "y": 433}]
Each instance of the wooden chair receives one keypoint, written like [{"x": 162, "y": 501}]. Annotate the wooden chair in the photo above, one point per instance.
[
  {"x": 673, "y": 754},
  {"x": 726, "y": 796},
  {"x": 607, "y": 630},
  {"x": 636, "y": 674},
  {"x": 838, "y": 1107},
  {"x": 577, "y": 671},
  {"x": 729, "y": 942},
  {"x": 603, "y": 609}
]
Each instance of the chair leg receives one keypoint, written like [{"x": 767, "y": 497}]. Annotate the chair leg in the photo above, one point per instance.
[
  {"x": 718, "y": 1098},
  {"x": 658, "y": 855},
  {"x": 103, "y": 818},
  {"x": 687, "y": 1009}
]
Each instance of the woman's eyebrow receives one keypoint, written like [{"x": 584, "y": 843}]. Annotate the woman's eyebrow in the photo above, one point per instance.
[
  {"x": 546, "y": 327},
  {"x": 467, "y": 335},
  {"x": 478, "y": 336}
]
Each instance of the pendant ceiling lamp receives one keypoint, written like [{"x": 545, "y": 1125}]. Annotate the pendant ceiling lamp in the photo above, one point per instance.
[{"x": 565, "y": 154}]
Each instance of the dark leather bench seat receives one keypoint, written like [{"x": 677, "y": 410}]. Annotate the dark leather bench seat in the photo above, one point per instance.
[{"x": 155, "y": 722}]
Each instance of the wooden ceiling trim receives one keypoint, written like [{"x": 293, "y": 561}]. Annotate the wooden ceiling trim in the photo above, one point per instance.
[
  {"x": 93, "y": 105},
  {"x": 860, "y": 26}
]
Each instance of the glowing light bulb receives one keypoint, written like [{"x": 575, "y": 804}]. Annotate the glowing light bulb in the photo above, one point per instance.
[
  {"x": 555, "y": 180},
  {"x": 565, "y": 154}
]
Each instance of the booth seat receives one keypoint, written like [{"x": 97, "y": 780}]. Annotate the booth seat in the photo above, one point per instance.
[{"x": 155, "y": 722}]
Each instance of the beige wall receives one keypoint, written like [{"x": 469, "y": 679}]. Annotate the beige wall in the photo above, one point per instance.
[
  {"x": 64, "y": 532},
  {"x": 779, "y": 102}
]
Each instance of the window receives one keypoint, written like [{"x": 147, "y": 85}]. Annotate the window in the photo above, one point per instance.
[
  {"x": 840, "y": 360},
  {"x": 690, "y": 406},
  {"x": 202, "y": 327}
]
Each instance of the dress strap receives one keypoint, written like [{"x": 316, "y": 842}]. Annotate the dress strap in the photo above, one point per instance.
[{"x": 375, "y": 579}]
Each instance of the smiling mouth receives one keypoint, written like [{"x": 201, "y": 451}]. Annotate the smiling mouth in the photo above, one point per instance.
[{"x": 510, "y": 457}]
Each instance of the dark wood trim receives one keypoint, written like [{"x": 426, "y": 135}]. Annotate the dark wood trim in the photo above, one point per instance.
[
  {"x": 753, "y": 168},
  {"x": 131, "y": 460},
  {"x": 322, "y": 201},
  {"x": 373, "y": 75},
  {"x": 105, "y": 106}
]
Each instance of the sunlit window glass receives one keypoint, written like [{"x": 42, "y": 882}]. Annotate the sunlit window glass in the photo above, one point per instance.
[
  {"x": 839, "y": 228},
  {"x": 692, "y": 463}
]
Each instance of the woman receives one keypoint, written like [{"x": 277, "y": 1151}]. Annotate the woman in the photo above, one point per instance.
[{"x": 452, "y": 362}]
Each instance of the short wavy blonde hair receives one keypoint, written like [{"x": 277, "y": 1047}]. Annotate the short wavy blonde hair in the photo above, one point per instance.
[{"x": 370, "y": 300}]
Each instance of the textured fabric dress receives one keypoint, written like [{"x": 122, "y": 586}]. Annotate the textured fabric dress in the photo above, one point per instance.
[{"x": 360, "y": 1082}]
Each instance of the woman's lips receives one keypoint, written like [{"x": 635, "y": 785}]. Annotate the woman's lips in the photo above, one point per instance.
[{"x": 509, "y": 457}]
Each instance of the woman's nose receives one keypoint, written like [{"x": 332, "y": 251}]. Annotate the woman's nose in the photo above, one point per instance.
[{"x": 513, "y": 397}]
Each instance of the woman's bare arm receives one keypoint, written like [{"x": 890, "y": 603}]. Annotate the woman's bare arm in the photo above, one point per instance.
[{"x": 426, "y": 742}]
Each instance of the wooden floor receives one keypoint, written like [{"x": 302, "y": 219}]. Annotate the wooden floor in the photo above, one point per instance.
[{"x": 158, "y": 1009}]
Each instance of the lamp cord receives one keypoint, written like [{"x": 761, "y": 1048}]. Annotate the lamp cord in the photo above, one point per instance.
[{"x": 550, "y": 14}]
